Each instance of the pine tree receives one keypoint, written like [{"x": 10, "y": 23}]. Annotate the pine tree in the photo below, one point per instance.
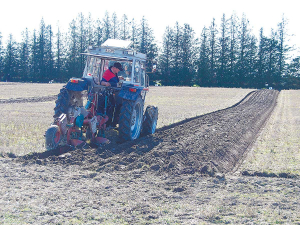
[
  {"x": 272, "y": 53},
  {"x": 233, "y": 50},
  {"x": 252, "y": 61},
  {"x": 143, "y": 35},
  {"x": 188, "y": 56},
  {"x": 224, "y": 54},
  {"x": 98, "y": 33},
  {"x": 115, "y": 26},
  {"x": 177, "y": 53},
  {"x": 34, "y": 59},
  {"x": 90, "y": 31},
  {"x": 294, "y": 68},
  {"x": 292, "y": 77},
  {"x": 213, "y": 48},
  {"x": 1, "y": 58},
  {"x": 107, "y": 27},
  {"x": 166, "y": 62},
  {"x": 283, "y": 49},
  {"x": 147, "y": 45},
  {"x": 203, "y": 74},
  {"x": 10, "y": 60},
  {"x": 24, "y": 57},
  {"x": 134, "y": 35},
  {"x": 41, "y": 52},
  {"x": 261, "y": 62},
  {"x": 49, "y": 58},
  {"x": 58, "y": 56},
  {"x": 82, "y": 42},
  {"x": 72, "y": 61},
  {"x": 246, "y": 59},
  {"x": 124, "y": 29}
]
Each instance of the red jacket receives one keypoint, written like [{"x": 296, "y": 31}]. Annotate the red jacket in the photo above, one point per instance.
[{"x": 109, "y": 76}]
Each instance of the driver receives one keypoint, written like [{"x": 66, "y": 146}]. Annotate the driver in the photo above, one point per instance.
[{"x": 110, "y": 76}]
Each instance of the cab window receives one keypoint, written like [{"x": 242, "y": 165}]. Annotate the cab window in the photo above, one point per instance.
[
  {"x": 143, "y": 73},
  {"x": 93, "y": 67},
  {"x": 137, "y": 72}
]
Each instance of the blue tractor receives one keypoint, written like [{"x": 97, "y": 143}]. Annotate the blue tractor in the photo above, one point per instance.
[{"x": 85, "y": 109}]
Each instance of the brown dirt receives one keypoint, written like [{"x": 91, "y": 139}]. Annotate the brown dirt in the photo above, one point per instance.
[
  {"x": 215, "y": 142},
  {"x": 31, "y": 99}
]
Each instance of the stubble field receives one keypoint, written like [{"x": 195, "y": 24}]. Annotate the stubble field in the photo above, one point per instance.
[{"x": 217, "y": 167}]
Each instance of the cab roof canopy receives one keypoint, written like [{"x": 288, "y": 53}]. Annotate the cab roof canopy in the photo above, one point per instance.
[
  {"x": 115, "y": 50},
  {"x": 117, "y": 44}
]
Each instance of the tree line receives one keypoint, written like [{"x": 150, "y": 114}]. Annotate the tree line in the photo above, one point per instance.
[
  {"x": 47, "y": 54},
  {"x": 228, "y": 55}
]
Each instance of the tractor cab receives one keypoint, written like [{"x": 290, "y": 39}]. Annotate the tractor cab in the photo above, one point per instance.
[{"x": 99, "y": 59}]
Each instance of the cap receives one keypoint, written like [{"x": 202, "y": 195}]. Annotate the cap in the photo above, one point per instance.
[{"x": 118, "y": 66}]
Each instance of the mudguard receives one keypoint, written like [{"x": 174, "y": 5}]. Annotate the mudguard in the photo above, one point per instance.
[
  {"x": 77, "y": 84},
  {"x": 130, "y": 92}
]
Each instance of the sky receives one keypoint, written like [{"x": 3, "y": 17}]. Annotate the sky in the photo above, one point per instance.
[{"x": 17, "y": 15}]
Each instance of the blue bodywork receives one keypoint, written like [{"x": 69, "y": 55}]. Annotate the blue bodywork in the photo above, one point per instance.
[
  {"x": 125, "y": 93},
  {"x": 80, "y": 86}
]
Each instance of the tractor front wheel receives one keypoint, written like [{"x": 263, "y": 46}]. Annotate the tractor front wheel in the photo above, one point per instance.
[
  {"x": 130, "y": 121},
  {"x": 65, "y": 99},
  {"x": 53, "y": 137},
  {"x": 150, "y": 120},
  {"x": 62, "y": 102}
]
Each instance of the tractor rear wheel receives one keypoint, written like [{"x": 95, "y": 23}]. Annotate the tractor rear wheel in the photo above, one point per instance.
[
  {"x": 130, "y": 121},
  {"x": 53, "y": 137},
  {"x": 150, "y": 120}
]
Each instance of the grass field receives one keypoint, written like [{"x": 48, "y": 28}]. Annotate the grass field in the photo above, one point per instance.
[
  {"x": 23, "y": 125},
  {"x": 179, "y": 103},
  {"x": 27, "y": 90},
  {"x": 277, "y": 150}
]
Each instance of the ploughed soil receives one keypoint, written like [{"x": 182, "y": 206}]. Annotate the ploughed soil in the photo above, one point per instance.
[
  {"x": 31, "y": 99},
  {"x": 215, "y": 142}
]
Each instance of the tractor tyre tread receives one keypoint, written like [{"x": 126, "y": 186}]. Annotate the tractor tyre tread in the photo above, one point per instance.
[
  {"x": 50, "y": 135},
  {"x": 125, "y": 120},
  {"x": 150, "y": 117},
  {"x": 62, "y": 102}
]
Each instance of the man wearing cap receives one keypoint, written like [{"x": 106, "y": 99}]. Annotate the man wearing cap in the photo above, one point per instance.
[{"x": 110, "y": 76}]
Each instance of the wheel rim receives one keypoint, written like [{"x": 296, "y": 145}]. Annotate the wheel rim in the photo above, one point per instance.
[
  {"x": 133, "y": 120},
  {"x": 136, "y": 120}
]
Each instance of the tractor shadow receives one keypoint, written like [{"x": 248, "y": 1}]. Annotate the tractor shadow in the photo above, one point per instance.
[
  {"x": 91, "y": 153},
  {"x": 44, "y": 155},
  {"x": 142, "y": 145}
]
